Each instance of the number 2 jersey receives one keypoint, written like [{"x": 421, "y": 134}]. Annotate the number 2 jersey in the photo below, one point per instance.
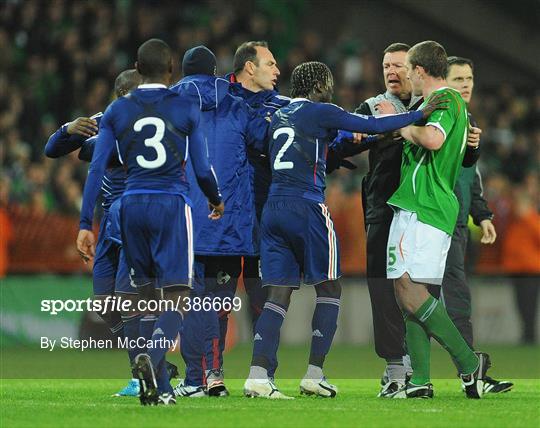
[
  {"x": 299, "y": 137},
  {"x": 152, "y": 131}
]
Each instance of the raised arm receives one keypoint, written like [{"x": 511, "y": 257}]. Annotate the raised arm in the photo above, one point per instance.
[
  {"x": 104, "y": 148},
  {"x": 333, "y": 117},
  {"x": 70, "y": 137}
]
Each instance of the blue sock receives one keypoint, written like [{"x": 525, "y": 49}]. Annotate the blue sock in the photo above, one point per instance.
[
  {"x": 117, "y": 330},
  {"x": 192, "y": 349},
  {"x": 162, "y": 378},
  {"x": 273, "y": 363},
  {"x": 266, "y": 338},
  {"x": 167, "y": 326},
  {"x": 324, "y": 325},
  {"x": 223, "y": 321},
  {"x": 131, "y": 332},
  {"x": 213, "y": 351},
  {"x": 146, "y": 328}
]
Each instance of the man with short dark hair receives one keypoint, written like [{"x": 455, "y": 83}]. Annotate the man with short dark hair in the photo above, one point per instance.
[
  {"x": 230, "y": 127},
  {"x": 378, "y": 185},
  {"x": 455, "y": 291},
  {"x": 109, "y": 270},
  {"x": 425, "y": 214},
  {"x": 154, "y": 131},
  {"x": 255, "y": 67},
  {"x": 254, "y": 79}
]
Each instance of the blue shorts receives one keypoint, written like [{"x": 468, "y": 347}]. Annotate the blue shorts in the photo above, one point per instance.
[
  {"x": 157, "y": 237},
  {"x": 112, "y": 227},
  {"x": 105, "y": 262},
  {"x": 298, "y": 238},
  {"x": 110, "y": 273},
  {"x": 123, "y": 282}
]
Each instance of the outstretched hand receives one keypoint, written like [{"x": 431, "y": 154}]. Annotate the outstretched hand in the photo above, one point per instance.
[{"x": 436, "y": 102}]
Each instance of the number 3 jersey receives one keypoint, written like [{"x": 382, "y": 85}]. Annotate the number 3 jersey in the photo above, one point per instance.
[
  {"x": 152, "y": 131},
  {"x": 299, "y": 137}
]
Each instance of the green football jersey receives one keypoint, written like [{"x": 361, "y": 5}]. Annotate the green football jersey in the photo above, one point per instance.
[{"x": 428, "y": 177}]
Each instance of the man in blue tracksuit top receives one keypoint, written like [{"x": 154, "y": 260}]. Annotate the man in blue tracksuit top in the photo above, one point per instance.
[
  {"x": 230, "y": 128},
  {"x": 254, "y": 78}
]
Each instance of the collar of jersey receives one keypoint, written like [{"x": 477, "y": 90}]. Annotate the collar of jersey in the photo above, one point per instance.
[
  {"x": 151, "y": 86},
  {"x": 297, "y": 100}
]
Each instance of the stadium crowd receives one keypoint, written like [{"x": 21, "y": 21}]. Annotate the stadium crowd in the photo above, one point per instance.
[{"x": 61, "y": 67}]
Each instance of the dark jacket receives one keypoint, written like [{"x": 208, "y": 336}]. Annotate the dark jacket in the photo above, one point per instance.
[{"x": 229, "y": 127}]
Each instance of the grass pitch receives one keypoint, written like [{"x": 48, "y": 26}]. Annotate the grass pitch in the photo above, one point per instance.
[
  {"x": 39, "y": 402},
  {"x": 82, "y": 403}
]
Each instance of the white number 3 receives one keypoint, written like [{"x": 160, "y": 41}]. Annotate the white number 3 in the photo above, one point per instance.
[
  {"x": 154, "y": 142},
  {"x": 278, "y": 163}
]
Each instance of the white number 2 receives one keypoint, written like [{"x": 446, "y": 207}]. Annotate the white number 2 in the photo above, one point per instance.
[
  {"x": 154, "y": 142},
  {"x": 278, "y": 164}
]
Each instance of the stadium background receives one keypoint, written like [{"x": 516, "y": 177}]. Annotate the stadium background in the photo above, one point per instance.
[{"x": 60, "y": 58}]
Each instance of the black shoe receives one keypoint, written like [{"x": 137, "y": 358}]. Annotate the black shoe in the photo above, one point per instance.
[
  {"x": 215, "y": 385},
  {"x": 142, "y": 367},
  {"x": 172, "y": 370},
  {"x": 493, "y": 386},
  {"x": 474, "y": 383},
  {"x": 418, "y": 391},
  {"x": 166, "y": 399}
]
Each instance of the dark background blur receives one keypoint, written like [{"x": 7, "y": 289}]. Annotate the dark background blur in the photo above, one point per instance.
[{"x": 60, "y": 58}]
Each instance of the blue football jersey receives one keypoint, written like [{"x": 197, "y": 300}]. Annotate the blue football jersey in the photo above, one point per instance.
[
  {"x": 61, "y": 143},
  {"x": 299, "y": 137},
  {"x": 153, "y": 130}
]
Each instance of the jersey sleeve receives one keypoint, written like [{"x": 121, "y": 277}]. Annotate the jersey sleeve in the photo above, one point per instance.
[
  {"x": 61, "y": 143},
  {"x": 444, "y": 120},
  {"x": 206, "y": 178},
  {"x": 103, "y": 151},
  {"x": 333, "y": 117},
  {"x": 479, "y": 209}
]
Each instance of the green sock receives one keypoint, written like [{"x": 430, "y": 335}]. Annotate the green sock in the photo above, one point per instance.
[
  {"x": 438, "y": 324},
  {"x": 419, "y": 348}
]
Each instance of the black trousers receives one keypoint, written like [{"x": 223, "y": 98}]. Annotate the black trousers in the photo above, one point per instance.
[
  {"x": 455, "y": 291},
  {"x": 388, "y": 324},
  {"x": 526, "y": 289}
]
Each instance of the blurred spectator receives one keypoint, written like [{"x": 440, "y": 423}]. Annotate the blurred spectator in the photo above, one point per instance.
[
  {"x": 521, "y": 259},
  {"x": 60, "y": 57},
  {"x": 5, "y": 225}
]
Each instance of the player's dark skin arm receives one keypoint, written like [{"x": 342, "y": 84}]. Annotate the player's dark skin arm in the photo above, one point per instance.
[{"x": 70, "y": 137}]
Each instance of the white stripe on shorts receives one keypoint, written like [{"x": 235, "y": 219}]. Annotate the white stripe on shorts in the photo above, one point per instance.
[
  {"x": 332, "y": 244},
  {"x": 189, "y": 228}
]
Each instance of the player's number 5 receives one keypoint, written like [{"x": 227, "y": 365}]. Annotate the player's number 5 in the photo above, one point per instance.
[
  {"x": 154, "y": 142},
  {"x": 278, "y": 163}
]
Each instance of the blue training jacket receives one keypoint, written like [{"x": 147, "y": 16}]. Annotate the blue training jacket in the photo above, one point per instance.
[
  {"x": 265, "y": 103},
  {"x": 229, "y": 127}
]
